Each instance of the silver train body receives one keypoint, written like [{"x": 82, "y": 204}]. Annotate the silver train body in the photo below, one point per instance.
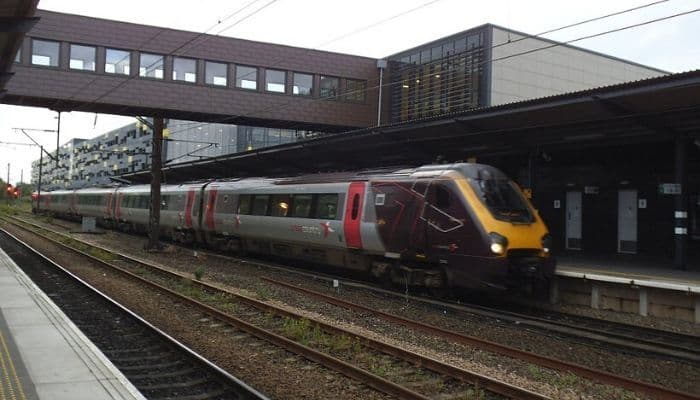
[{"x": 346, "y": 220}]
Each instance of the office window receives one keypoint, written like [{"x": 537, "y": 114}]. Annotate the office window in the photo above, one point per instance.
[
  {"x": 246, "y": 77},
  {"x": 184, "y": 69},
  {"x": 215, "y": 73},
  {"x": 303, "y": 84},
  {"x": 117, "y": 62},
  {"x": 45, "y": 53},
  {"x": 151, "y": 66},
  {"x": 82, "y": 57},
  {"x": 275, "y": 81},
  {"x": 329, "y": 87},
  {"x": 355, "y": 90}
]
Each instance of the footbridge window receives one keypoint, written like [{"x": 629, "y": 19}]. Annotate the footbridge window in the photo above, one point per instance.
[
  {"x": 246, "y": 77},
  {"x": 275, "y": 81},
  {"x": 329, "y": 87},
  {"x": 82, "y": 57},
  {"x": 184, "y": 69},
  {"x": 215, "y": 73},
  {"x": 117, "y": 62},
  {"x": 151, "y": 66},
  {"x": 303, "y": 84},
  {"x": 45, "y": 53}
]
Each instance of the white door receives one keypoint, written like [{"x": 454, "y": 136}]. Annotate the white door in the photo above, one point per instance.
[
  {"x": 573, "y": 220},
  {"x": 627, "y": 221}
]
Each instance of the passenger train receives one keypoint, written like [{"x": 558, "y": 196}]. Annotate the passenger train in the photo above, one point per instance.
[{"x": 435, "y": 226}]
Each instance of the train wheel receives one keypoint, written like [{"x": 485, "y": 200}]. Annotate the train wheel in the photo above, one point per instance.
[{"x": 439, "y": 286}]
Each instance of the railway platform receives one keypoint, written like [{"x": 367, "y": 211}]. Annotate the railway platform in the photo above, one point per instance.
[
  {"x": 43, "y": 355},
  {"x": 644, "y": 286}
]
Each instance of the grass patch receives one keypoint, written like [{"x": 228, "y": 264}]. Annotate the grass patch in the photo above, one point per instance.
[
  {"x": 199, "y": 273},
  {"x": 263, "y": 292},
  {"x": 475, "y": 393},
  {"x": 536, "y": 372},
  {"x": 230, "y": 308},
  {"x": 101, "y": 254}
]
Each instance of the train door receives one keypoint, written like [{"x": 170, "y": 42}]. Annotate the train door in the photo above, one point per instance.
[
  {"x": 573, "y": 220},
  {"x": 209, "y": 211},
  {"x": 189, "y": 203},
  {"x": 353, "y": 214},
  {"x": 627, "y": 221}
]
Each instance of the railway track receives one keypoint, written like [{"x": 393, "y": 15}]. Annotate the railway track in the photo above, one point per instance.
[
  {"x": 684, "y": 351},
  {"x": 380, "y": 365},
  {"x": 157, "y": 365}
]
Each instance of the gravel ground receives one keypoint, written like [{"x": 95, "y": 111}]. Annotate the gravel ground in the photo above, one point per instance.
[
  {"x": 275, "y": 372},
  {"x": 246, "y": 276}
]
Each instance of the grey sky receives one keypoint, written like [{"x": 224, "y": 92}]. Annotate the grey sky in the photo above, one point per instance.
[{"x": 671, "y": 45}]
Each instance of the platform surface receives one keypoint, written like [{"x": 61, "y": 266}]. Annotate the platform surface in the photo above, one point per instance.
[
  {"x": 43, "y": 355},
  {"x": 630, "y": 268}
]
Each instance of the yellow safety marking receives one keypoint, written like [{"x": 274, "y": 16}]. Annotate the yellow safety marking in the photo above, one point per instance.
[
  {"x": 7, "y": 381},
  {"x": 14, "y": 371}
]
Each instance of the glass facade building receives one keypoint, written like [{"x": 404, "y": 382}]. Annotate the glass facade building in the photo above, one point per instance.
[
  {"x": 439, "y": 77},
  {"x": 91, "y": 162}
]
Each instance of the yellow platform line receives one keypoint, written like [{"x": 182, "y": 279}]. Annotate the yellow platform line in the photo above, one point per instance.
[
  {"x": 20, "y": 389},
  {"x": 5, "y": 384}
]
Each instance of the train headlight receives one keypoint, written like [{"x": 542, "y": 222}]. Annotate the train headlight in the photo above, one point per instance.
[
  {"x": 498, "y": 243},
  {"x": 547, "y": 243}
]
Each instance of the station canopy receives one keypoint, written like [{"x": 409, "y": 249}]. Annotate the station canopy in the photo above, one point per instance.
[{"x": 650, "y": 110}]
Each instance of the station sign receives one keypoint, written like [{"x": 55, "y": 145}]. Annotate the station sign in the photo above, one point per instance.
[{"x": 670, "y": 188}]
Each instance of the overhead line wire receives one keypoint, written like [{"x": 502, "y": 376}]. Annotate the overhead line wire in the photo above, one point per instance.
[{"x": 390, "y": 84}]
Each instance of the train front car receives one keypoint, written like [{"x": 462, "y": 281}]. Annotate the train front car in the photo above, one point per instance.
[
  {"x": 514, "y": 250},
  {"x": 460, "y": 225}
]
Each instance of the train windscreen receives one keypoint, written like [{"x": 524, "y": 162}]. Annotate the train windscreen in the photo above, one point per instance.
[{"x": 503, "y": 199}]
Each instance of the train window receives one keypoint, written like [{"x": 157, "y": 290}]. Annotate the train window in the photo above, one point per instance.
[
  {"x": 260, "y": 204},
  {"x": 326, "y": 206},
  {"x": 442, "y": 197},
  {"x": 244, "y": 204},
  {"x": 301, "y": 206},
  {"x": 280, "y": 205},
  {"x": 355, "y": 206},
  {"x": 144, "y": 202}
]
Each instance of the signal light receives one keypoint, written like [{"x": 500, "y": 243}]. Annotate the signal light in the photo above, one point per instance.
[{"x": 9, "y": 188}]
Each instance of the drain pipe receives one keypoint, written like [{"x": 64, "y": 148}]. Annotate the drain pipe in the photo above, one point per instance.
[{"x": 381, "y": 64}]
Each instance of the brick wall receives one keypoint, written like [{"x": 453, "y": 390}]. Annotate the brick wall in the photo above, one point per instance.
[{"x": 62, "y": 88}]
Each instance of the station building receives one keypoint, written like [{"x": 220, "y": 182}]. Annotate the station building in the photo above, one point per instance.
[{"x": 599, "y": 195}]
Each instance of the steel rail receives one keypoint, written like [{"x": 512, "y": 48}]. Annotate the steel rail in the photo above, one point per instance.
[
  {"x": 589, "y": 373},
  {"x": 333, "y": 363},
  {"x": 241, "y": 387},
  {"x": 482, "y": 381},
  {"x": 596, "y": 335}
]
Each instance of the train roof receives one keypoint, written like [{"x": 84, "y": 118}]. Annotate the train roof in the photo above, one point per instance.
[{"x": 468, "y": 170}]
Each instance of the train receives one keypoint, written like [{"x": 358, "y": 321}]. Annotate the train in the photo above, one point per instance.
[{"x": 441, "y": 227}]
